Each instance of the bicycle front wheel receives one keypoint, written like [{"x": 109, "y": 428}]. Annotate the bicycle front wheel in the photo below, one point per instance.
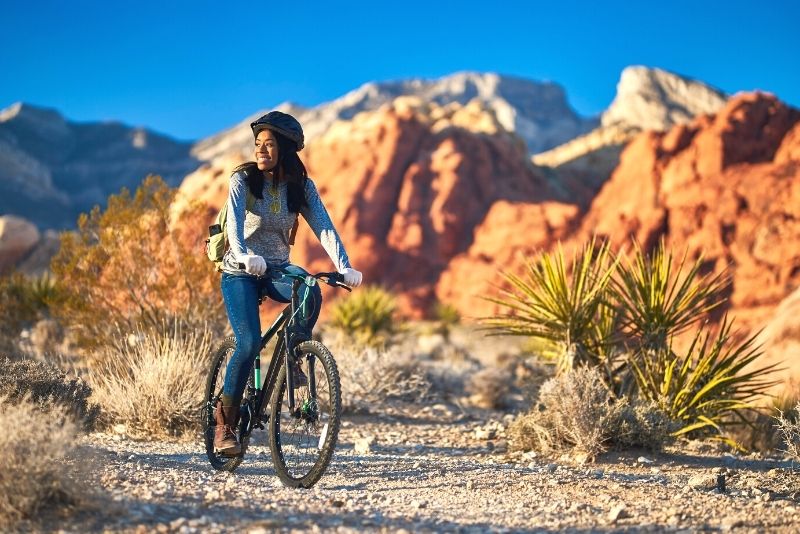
[{"x": 302, "y": 442}]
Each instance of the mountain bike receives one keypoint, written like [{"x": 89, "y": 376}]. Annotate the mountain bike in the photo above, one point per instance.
[{"x": 302, "y": 422}]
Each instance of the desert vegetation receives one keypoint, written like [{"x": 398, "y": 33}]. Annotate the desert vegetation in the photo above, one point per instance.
[
  {"x": 152, "y": 386},
  {"x": 624, "y": 315},
  {"x": 39, "y": 474},
  {"x": 366, "y": 317},
  {"x": 42, "y": 412},
  {"x": 135, "y": 266}
]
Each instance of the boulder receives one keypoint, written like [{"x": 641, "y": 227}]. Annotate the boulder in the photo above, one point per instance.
[{"x": 17, "y": 237}]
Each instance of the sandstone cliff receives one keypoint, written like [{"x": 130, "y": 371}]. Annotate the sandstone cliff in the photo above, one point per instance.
[
  {"x": 407, "y": 185},
  {"x": 724, "y": 185}
]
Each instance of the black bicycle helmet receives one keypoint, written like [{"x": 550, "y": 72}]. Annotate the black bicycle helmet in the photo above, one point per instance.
[{"x": 283, "y": 123}]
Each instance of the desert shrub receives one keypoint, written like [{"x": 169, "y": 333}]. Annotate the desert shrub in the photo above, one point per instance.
[
  {"x": 36, "y": 475},
  {"x": 153, "y": 384},
  {"x": 491, "y": 387},
  {"x": 136, "y": 265},
  {"x": 643, "y": 424},
  {"x": 372, "y": 376},
  {"x": 446, "y": 313},
  {"x": 446, "y": 317},
  {"x": 368, "y": 315},
  {"x": 788, "y": 424},
  {"x": 575, "y": 411},
  {"x": 26, "y": 300},
  {"x": 660, "y": 297},
  {"x": 565, "y": 305},
  {"x": 47, "y": 386}
]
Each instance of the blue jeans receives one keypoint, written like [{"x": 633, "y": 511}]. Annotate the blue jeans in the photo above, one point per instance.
[{"x": 240, "y": 293}]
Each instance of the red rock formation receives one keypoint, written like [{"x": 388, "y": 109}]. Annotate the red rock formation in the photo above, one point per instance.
[
  {"x": 725, "y": 186},
  {"x": 434, "y": 202},
  {"x": 510, "y": 232},
  {"x": 406, "y": 186},
  {"x": 412, "y": 192}
]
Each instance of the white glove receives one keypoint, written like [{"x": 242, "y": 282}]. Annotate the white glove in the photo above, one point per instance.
[
  {"x": 351, "y": 277},
  {"x": 254, "y": 264}
]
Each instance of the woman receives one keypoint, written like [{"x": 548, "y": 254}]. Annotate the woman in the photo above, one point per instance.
[{"x": 260, "y": 232}]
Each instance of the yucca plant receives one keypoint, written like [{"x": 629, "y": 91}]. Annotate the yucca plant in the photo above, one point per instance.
[
  {"x": 659, "y": 297},
  {"x": 367, "y": 315},
  {"x": 446, "y": 316},
  {"x": 710, "y": 386},
  {"x": 566, "y": 306}
]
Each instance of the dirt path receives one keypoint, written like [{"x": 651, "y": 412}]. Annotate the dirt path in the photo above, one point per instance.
[{"x": 429, "y": 473}]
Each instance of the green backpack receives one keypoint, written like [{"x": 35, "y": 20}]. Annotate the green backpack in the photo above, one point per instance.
[{"x": 217, "y": 242}]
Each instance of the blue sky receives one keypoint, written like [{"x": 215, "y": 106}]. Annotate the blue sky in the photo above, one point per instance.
[{"x": 190, "y": 69}]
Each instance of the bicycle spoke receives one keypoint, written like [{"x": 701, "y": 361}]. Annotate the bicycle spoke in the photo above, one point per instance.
[{"x": 303, "y": 434}]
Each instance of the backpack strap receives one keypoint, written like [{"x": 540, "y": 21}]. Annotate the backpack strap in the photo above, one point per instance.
[
  {"x": 293, "y": 233},
  {"x": 249, "y": 201}
]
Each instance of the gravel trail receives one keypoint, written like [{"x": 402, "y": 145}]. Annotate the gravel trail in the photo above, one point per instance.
[{"x": 437, "y": 471}]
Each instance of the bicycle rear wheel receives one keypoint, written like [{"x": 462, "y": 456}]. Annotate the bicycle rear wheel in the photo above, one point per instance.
[
  {"x": 302, "y": 443},
  {"x": 216, "y": 379}
]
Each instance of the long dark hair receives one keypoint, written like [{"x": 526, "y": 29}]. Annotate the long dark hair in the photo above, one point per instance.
[{"x": 289, "y": 167}]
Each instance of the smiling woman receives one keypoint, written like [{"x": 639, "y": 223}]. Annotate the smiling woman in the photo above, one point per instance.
[{"x": 265, "y": 200}]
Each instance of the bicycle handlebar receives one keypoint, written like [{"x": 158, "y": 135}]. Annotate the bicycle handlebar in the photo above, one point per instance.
[{"x": 333, "y": 279}]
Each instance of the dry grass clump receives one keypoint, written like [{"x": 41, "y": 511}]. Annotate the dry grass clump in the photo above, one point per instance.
[
  {"x": 46, "y": 386},
  {"x": 576, "y": 412},
  {"x": 155, "y": 385},
  {"x": 33, "y": 449},
  {"x": 789, "y": 428},
  {"x": 371, "y": 376}
]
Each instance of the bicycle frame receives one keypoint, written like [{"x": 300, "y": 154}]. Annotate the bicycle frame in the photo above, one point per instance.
[{"x": 264, "y": 392}]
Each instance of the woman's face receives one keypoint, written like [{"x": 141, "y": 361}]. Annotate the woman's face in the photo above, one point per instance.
[{"x": 266, "y": 150}]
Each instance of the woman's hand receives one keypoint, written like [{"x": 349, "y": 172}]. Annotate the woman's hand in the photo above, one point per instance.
[
  {"x": 351, "y": 277},
  {"x": 254, "y": 264}
]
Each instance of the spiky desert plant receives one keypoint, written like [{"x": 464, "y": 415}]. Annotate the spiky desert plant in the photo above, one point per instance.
[
  {"x": 568, "y": 307},
  {"x": 659, "y": 297},
  {"x": 447, "y": 316},
  {"x": 368, "y": 315},
  {"x": 708, "y": 387}
]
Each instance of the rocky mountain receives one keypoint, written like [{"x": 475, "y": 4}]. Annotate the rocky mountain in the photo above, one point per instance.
[
  {"x": 406, "y": 185},
  {"x": 537, "y": 111},
  {"x": 726, "y": 186},
  {"x": 655, "y": 99},
  {"x": 646, "y": 99},
  {"x": 52, "y": 169},
  {"x": 435, "y": 201}
]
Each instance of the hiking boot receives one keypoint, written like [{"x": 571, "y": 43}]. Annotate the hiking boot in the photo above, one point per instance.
[
  {"x": 225, "y": 440},
  {"x": 299, "y": 378}
]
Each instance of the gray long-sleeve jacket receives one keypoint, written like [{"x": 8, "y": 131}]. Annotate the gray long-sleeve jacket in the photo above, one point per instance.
[{"x": 266, "y": 234}]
